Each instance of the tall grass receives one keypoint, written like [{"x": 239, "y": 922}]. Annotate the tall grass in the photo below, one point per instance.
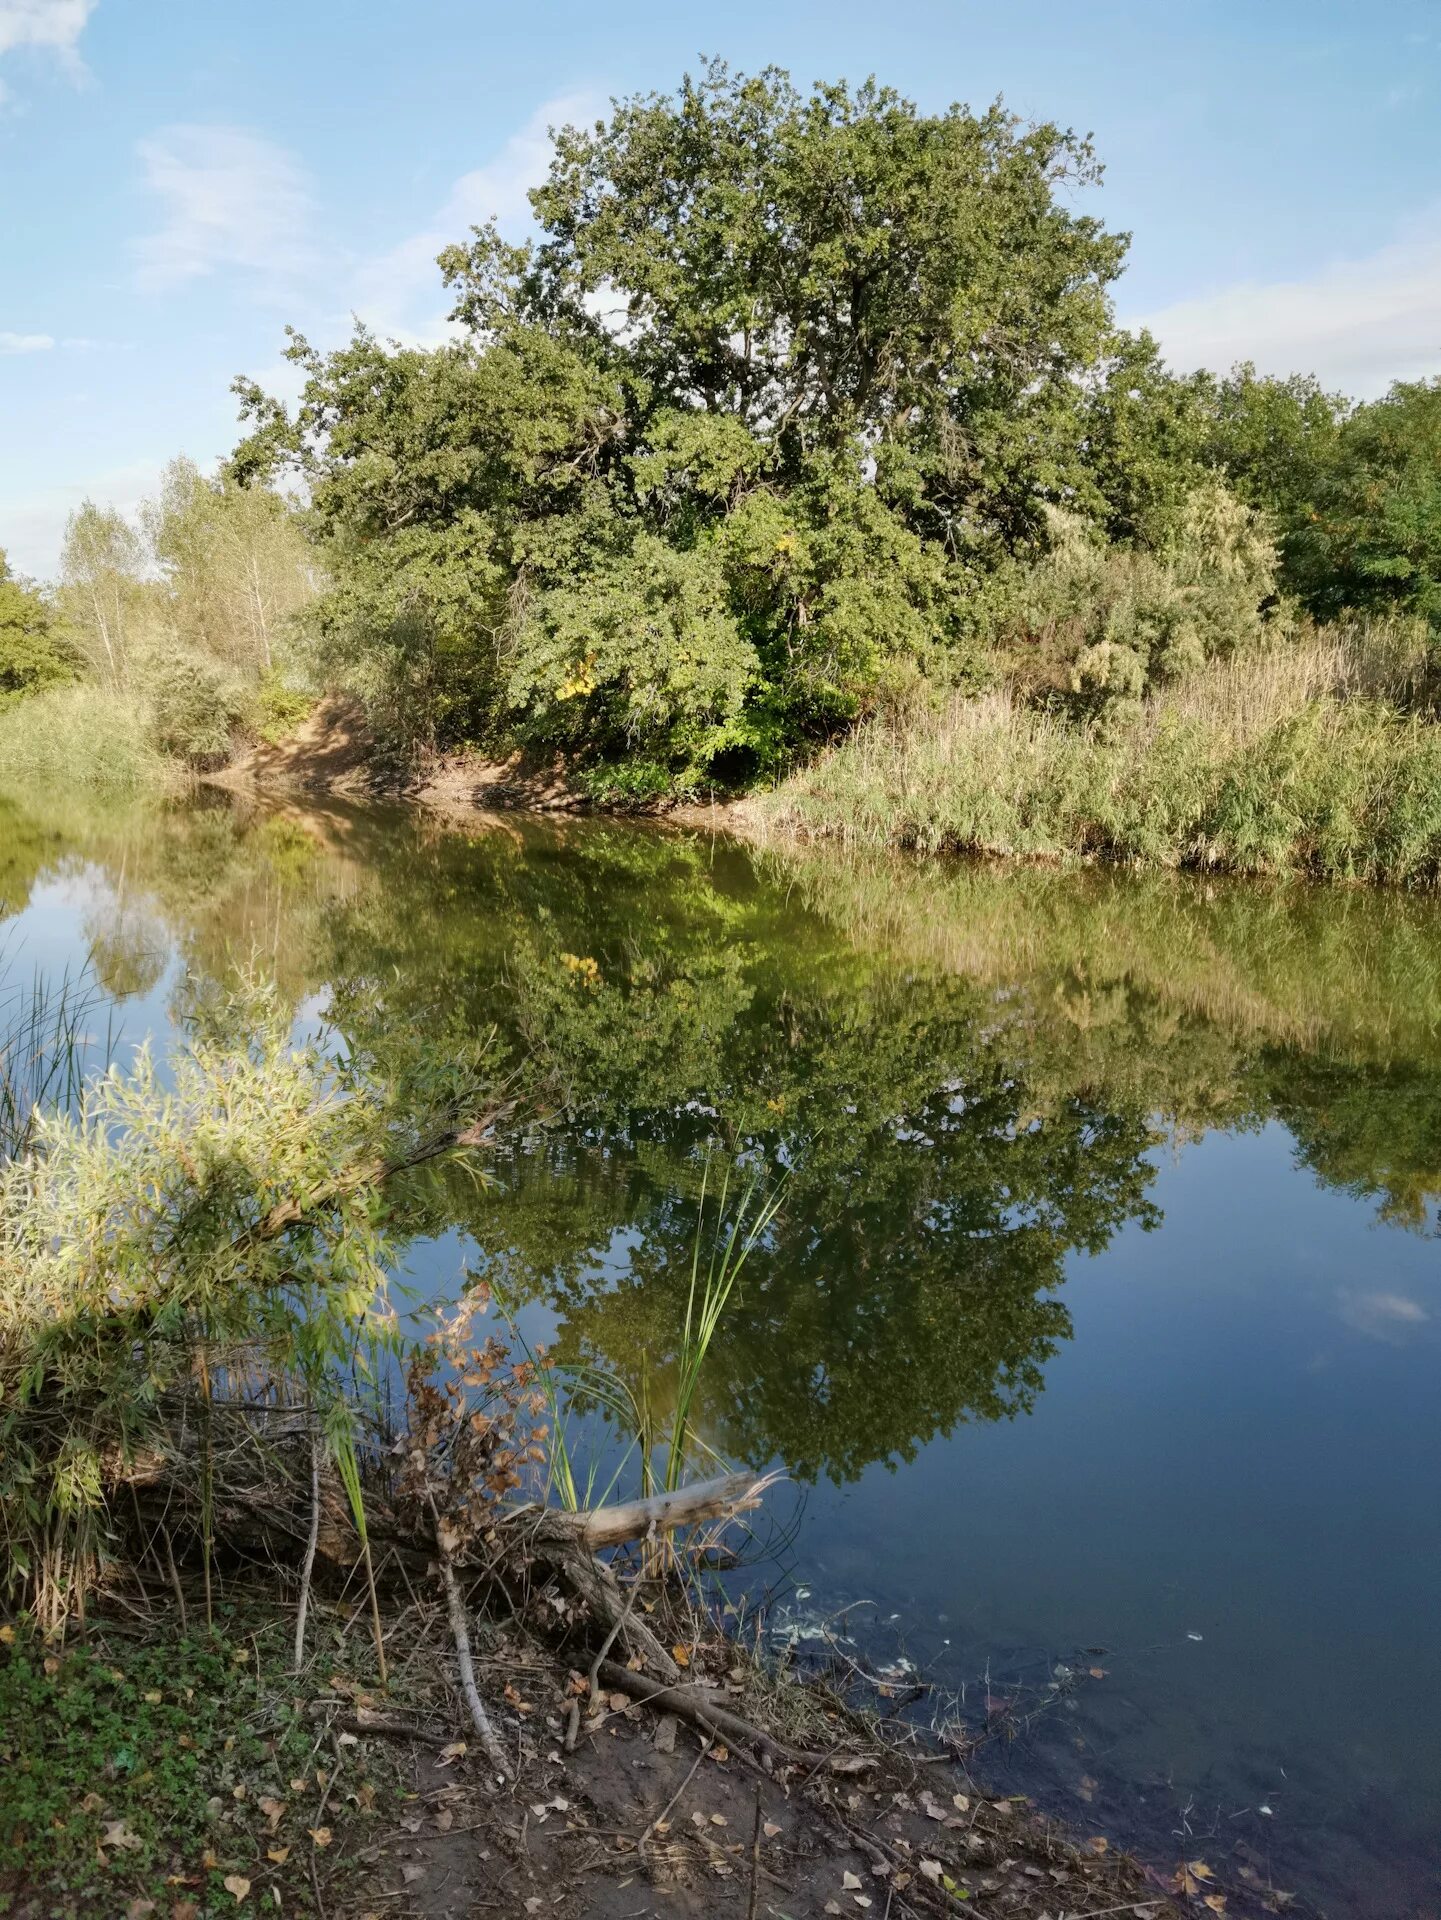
[
  {"x": 44, "y": 1045},
  {"x": 1290, "y": 760},
  {"x": 657, "y": 1419},
  {"x": 83, "y": 736}
]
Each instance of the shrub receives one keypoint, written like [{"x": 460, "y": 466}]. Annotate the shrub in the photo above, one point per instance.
[
  {"x": 1102, "y": 625},
  {"x": 194, "y": 709}
]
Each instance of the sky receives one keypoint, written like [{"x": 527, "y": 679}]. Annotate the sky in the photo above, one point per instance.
[{"x": 177, "y": 182}]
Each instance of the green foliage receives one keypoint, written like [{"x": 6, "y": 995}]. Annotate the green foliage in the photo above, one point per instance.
[
  {"x": 1263, "y": 764},
  {"x": 1108, "y": 623},
  {"x": 34, "y": 653},
  {"x": 236, "y": 565},
  {"x": 841, "y": 369},
  {"x": 194, "y": 709},
  {"x": 140, "y": 1245},
  {"x": 1372, "y": 538},
  {"x": 139, "y": 1775}
]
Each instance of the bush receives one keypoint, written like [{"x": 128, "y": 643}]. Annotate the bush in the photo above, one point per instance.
[
  {"x": 1102, "y": 625},
  {"x": 194, "y": 709}
]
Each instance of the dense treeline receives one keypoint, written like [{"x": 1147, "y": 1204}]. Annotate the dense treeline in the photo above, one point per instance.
[{"x": 800, "y": 407}]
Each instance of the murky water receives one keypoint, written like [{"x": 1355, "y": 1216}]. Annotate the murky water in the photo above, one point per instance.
[{"x": 1100, "y": 1330}]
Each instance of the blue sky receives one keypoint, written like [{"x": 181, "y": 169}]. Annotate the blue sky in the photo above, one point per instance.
[{"x": 178, "y": 181}]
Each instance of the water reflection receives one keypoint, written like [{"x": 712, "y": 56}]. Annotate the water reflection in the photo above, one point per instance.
[{"x": 986, "y": 1091}]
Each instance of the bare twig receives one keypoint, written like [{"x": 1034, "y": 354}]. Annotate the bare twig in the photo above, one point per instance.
[
  {"x": 309, "y": 1567},
  {"x": 460, "y": 1633}
]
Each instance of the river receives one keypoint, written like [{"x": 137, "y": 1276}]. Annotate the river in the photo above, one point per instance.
[{"x": 1100, "y": 1328}]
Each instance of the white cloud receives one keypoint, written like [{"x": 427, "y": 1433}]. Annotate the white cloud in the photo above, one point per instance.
[
  {"x": 55, "y": 24},
  {"x": 1357, "y": 323},
  {"x": 399, "y": 292},
  {"x": 232, "y": 200},
  {"x": 25, "y": 342}
]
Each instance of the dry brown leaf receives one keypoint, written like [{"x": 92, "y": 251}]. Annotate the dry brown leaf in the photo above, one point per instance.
[
  {"x": 321, "y": 1836},
  {"x": 1215, "y": 1901},
  {"x": 450, "y": 1753},
  {"x": 410, "y": 1874},
  {"x": 851, "y": 1882},
  {"x": 139, "y": 1909},
  {"x": 770, "y": 1829},
  {"x": 680, "y": 1654},
  {"x": 237, "y": 1886},
  {"x": 278, "y": 1854}
]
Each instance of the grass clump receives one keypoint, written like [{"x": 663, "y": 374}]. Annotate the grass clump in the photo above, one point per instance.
[
  {"x": 84, "y": 735},
  {"x": 1292, "y": 760}
]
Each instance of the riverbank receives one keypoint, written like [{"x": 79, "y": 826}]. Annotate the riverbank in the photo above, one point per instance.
[
  {"x": 151, "y": 1771},
  {"x": 1285, "y": 765},
  {"x": 1306, "y": 761}
]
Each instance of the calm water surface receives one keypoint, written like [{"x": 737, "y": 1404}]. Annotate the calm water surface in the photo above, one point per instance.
[{"x": 1101, "y": 1327}]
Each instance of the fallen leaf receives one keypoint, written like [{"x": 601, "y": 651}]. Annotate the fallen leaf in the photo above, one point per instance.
[
  {"x": 1215, "y": 1901},
  {"x": 278, "y": 1854},
  {"x": 960, "y": 1802},
  {"x": 1200, "y": 1869},
  {"x": 7, "y": 1636},
  {"x": 272, "y": 1809},
  {"x": 770, "y": 1829},
  {"x": 139, "y": 1910},
  {"x": 850, "y": 1882},
  {"x": 719, "y": 1820},
  {"x": 184, "y": 1910},
  {"x": 1097, "y": 1673},
  {"x": 153, "y": 1698},
  {"x": 680, "y": 1654},
  {"x": 1098, "y": 1843},
  {"x": 92, "y": 1803},
  {"x": 297, "y": 1786},
  {"x": 117, "y": 1834},
  {"x": 410, "y": 1874},
  {"x": 348, "y": 1740},
  {"x": 236, "y": 1885},
  {"x": 932, "y": 1807},
  {"x": 930, "y": 1868},
  {"x": 444, "y": 1820},
  {"x": 534, "y": 1904},
  {"x": 321, "y": 1836},
  {"x": 452, "y": 1752},
  {"x": 618, "y": 1702}
]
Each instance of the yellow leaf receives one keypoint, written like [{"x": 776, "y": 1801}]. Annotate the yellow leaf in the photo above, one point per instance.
[
  {"x": 236, "y": 1884},
  {"x": 1215, "y": 1901},
  {"x": 321, "y": 1836},
  {"x": 278, "y": 1854},
  {"x": 681, "y": 1655},
  {"x": 153, "y": 1698},
  {"x": 1200, "y": 1869},
  {"x": 7, "y": 1636}
]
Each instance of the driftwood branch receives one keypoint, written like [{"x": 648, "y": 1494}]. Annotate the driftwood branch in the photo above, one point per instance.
[{"x": 460, "y": 1633}]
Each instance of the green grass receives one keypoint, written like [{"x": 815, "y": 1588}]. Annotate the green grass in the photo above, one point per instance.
[
  {"x": 135, "y": 1771},
  {"x": 83, "y": 736},
  {"x": 1286, "y": 763}
]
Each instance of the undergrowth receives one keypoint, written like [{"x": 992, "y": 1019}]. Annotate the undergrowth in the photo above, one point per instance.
[
  {"x": 164, "y": 1769},
  {"x": 1291, "y": 761}
]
